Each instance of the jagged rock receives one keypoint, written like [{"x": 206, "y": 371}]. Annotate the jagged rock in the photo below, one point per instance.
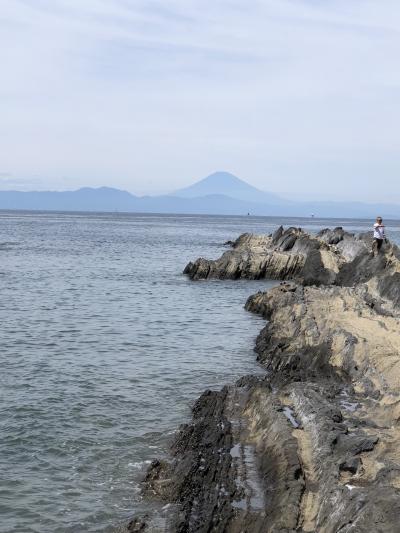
[
  {"x": 287, "y": 254},
  {"x": 312, "y": 446},
  {"x": 334, "y": 236}
]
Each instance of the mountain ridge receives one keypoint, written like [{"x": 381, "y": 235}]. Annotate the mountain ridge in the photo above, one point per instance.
[{"x": 219, "y": 191}]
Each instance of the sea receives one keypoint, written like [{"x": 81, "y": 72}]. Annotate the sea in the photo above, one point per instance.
[{"x": 104, "y": 347}]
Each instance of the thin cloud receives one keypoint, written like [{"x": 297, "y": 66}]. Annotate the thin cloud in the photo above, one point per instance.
[{"x": 290, "y": 94}]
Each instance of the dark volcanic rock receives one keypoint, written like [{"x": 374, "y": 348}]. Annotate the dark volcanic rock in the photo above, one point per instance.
[
  {"x": 350, "y": 465},
  {"x": 137, "y": 525},
  {"x": 333, "y": 236}
]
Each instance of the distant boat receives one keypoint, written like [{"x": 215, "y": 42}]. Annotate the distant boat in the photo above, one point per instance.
[{"x": 312, "y": 215}]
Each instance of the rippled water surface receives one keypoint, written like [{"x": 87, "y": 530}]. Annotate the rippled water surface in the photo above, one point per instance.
[{"x": 104, "y": 346}]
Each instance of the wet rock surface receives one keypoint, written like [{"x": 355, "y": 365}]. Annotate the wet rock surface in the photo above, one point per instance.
[{"x": 314, "y": 445}]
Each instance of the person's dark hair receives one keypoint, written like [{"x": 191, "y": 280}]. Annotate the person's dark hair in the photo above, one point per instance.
[{"x": 379, "y": 219}]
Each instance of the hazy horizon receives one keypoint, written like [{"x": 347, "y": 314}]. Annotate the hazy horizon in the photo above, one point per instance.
[
  {"x": 284, "y": 195},
  {"x": 296, "y": 98}
]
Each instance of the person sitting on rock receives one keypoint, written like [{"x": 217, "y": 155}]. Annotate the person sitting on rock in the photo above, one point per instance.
[{"x": 379, "y": 236}]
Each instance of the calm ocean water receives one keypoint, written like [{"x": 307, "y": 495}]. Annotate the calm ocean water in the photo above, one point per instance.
[{"x": 104, "y": 346}]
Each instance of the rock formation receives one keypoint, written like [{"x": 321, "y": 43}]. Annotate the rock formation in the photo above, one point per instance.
[{"x": 314, "y": 445}]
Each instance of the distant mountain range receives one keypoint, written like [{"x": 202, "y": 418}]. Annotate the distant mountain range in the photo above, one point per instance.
[{"x": 220, "y": 193}]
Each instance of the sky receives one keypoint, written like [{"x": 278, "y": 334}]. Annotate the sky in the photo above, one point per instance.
[{"x": 299, "y": 97}]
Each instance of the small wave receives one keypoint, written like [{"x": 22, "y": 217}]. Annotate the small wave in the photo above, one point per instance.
[{"x": 139, "y": 464}]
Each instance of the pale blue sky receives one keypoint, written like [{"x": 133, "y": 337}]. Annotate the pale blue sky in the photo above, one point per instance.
[{"x": 299, "y": 96}]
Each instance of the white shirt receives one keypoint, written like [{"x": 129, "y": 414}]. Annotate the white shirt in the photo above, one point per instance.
[{"x": 379, "y": 231}]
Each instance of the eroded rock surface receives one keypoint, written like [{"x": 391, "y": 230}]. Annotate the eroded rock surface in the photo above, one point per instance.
[
  {"x": 330, "y": 257},
  {"x": 314, "y": 446}
]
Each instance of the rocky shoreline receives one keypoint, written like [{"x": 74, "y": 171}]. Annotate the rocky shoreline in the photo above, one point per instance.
[{"x": 313, "y": 446}]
